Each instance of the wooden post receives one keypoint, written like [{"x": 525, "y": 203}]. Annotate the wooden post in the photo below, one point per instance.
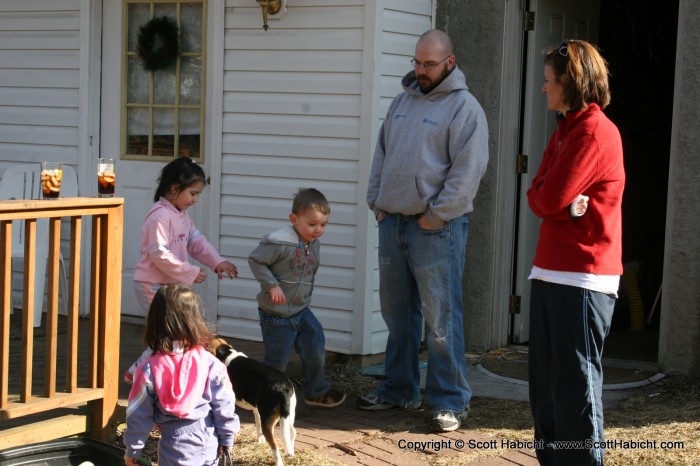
[{"x": 109, "y": 312}]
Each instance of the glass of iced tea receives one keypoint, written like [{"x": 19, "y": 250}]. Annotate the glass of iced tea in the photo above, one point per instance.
[
  {"x": 51, "y": 176},
  {"x": 105, "y": 177}
]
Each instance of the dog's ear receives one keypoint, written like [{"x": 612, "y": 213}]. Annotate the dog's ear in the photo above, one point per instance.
[
  {"x": 215, "y": 344},
  {"x": 222, "y": 351}
]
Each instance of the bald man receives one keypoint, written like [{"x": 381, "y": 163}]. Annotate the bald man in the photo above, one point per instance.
[{"x": 431, "y": 154}]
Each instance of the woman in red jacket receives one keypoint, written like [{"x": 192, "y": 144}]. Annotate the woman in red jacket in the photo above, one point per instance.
[{"x": 577, "y": 193}]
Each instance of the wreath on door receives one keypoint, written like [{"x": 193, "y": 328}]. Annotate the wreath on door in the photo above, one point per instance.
[{"x": 158, "y": 43}]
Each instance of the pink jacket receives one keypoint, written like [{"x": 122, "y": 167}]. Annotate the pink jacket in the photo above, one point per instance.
[
  {"x": 168, "y": 238},
  {"x": 175, "y": 391}
]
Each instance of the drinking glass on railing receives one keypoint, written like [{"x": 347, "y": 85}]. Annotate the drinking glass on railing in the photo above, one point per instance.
[
  {"x": 105, "y": 177},
  {"x": 51, "y": 176}
]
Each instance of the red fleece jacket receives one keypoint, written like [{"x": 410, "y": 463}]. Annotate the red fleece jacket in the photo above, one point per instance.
[{"x": 584, "y": 156}]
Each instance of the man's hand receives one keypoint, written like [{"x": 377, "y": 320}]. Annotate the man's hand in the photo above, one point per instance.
[{"x": 426, "y": 225}]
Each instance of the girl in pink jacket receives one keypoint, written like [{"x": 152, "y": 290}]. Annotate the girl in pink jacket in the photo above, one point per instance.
[{"x": 169, "y": 238}]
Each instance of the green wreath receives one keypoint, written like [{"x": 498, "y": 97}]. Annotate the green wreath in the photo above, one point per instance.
[{"x": 158, "y": 43}]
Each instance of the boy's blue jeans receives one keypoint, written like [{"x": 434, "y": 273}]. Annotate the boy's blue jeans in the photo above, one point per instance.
[
  {"x": 304, "y": 333},
  {"x": 420, "y": 278}
]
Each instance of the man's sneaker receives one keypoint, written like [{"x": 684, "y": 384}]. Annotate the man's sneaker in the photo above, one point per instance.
[
  {"x": 330, "y": 399},
  {"x": 372, "y": 402},
  {"x": 447, "y": 421}
]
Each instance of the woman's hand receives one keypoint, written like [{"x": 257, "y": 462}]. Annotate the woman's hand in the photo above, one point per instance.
[{"x": 579, "y": 206}]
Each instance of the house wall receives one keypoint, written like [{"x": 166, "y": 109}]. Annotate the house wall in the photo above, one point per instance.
[
  {"x": 298, "y": 112},
  {"x": 47, "y": 54},
  {"x": 300, "y": 108},
  {"x": 679, "y": 344},
  {"x": 401, "y": 24},
  {"x": 486, "y": 37},
  {"x": 40, "y": 59}
]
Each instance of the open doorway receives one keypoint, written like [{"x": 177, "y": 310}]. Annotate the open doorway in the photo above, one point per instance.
[{"x": 638, "y": 39}]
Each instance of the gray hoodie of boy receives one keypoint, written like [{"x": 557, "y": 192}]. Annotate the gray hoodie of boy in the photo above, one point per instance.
[
  {"x": 281, "y": 259},
  {"x": 431, "y": 153}
]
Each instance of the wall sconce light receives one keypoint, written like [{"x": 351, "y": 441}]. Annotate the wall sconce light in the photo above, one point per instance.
[{"x": 269, "y": 7}]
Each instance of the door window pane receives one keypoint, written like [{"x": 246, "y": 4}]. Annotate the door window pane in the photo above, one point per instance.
[
  {"x": 163, "y": 131},
  {"x": 191, "y": 80},
  {"x": 139, "y": 14},
  {"x": 138, "y": 82},
  {"x": 191, "y": 28},
  {"x": 189, "y": 138},
  {"x": 164, "y": 86},
  {"x": 137, "y": 124}
]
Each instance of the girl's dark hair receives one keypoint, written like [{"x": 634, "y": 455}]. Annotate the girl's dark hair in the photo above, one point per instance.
[
  {"x": 176, "y": 314},
  {"x": 182, "y": 172},
  {"x": 307, "y": 198},
  {"x": 584, "y": 72}
]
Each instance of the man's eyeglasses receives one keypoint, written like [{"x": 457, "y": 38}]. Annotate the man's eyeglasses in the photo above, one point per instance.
[{"x": 429, "y": 65}]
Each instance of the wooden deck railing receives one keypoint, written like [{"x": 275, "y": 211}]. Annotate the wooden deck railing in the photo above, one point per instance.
[{"x": 97, "y": 387}]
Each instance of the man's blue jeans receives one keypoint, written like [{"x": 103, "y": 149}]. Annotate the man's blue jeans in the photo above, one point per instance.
[
  {"x": 420, "y": 277},
  {"x": 304, "y": 333}
]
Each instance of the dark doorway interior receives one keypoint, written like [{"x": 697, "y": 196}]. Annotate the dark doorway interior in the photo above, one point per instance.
[{"x": 638, "y": 39}]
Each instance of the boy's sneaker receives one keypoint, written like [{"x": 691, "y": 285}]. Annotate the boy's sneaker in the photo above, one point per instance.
[
  {"x": 447, "y": 421},
  {"x": 330, "y": 399},
  {"x": 372, "y": 402}
]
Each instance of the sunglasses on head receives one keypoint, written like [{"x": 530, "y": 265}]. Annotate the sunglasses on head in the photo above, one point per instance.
[{"x": 563, "y": 48}]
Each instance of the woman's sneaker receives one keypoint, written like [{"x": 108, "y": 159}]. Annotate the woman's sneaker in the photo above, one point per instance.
[
  {"x": 330, "y": 399},
  {"x": 372, "y": 402},
  {"x": 447, "y": 421}
]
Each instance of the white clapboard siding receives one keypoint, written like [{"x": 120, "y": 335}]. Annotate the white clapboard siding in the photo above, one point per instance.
[
  {"x": 42, "y": 60},
  {"x": 39, "y": 80},
  {"x": 295, "y": 103},
  {"x": 403, "y": 22}
]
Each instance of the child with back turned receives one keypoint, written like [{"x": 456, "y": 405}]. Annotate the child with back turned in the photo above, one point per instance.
[
  {"x": 181, "y": 387},
  {"x": 285, "y": 263}
]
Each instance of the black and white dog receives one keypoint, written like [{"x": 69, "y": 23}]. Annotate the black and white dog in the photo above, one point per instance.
[{"x": 264, "y": 390}]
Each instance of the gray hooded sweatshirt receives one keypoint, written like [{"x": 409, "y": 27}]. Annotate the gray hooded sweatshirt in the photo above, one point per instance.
[
  {"x": 431, "y": 152},
  {"x": 281, "y": 259}
]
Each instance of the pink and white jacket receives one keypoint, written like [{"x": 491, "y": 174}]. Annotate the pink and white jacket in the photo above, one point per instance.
[
  {"x": 177, "y": 390},
  {"x": 168, "y": 236}
]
